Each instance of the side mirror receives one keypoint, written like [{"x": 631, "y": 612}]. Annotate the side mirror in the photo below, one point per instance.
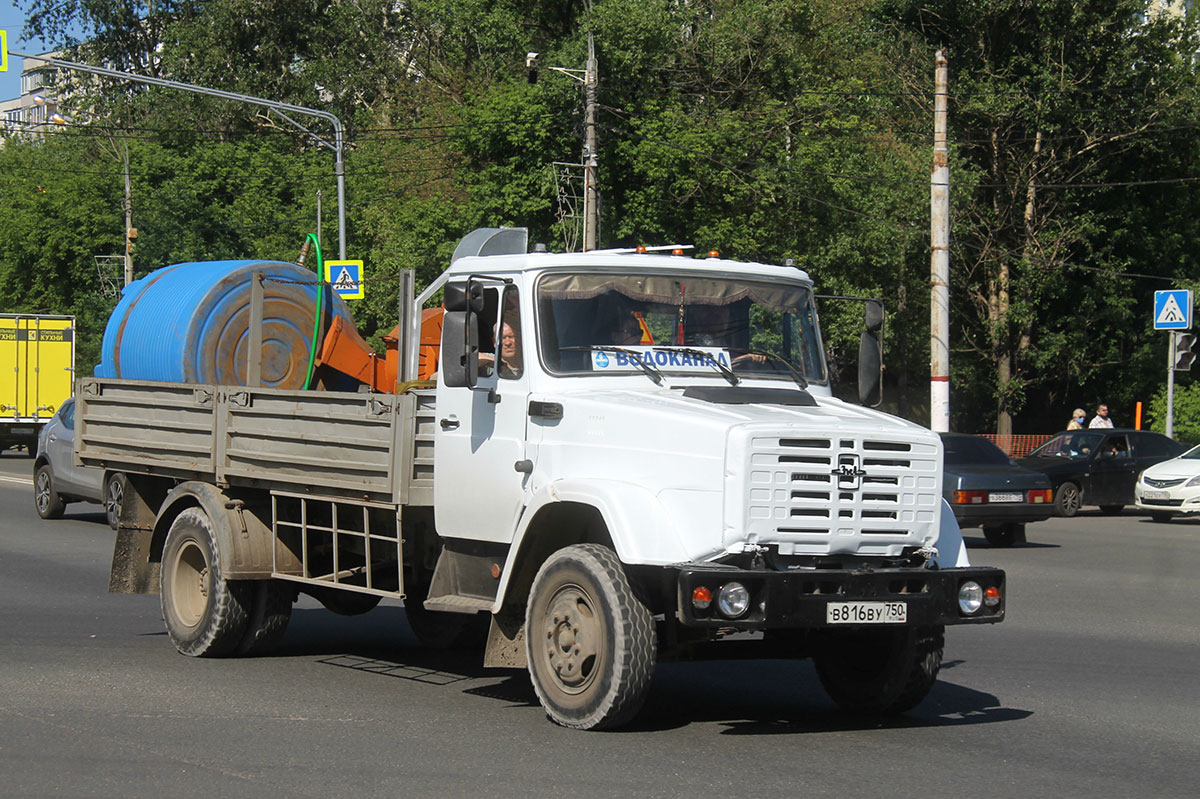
[
  {"x": 460, "y": 347},
  {"x": 870, "y": 356},
  {"x": 464, "y": 296}
]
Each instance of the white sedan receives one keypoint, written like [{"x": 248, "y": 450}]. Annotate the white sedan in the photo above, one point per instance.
[{"x": 1171, "y": 487}]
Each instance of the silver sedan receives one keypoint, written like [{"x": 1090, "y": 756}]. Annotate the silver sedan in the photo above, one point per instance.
[{"x": 57, "y": 480}]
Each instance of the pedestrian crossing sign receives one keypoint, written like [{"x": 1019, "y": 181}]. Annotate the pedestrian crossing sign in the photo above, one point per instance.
[
  {"x": 1173, "y": 309},
  {"x": 346, "y": 277}
]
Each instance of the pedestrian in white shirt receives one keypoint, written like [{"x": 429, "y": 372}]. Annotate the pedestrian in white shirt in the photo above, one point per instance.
[{"x": 1101, "y": 418}]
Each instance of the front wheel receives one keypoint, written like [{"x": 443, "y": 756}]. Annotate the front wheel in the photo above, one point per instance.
[
  {"x": 589, "y": 641},
  {"x": 46, "y": 500},
  {"x": 880, "y": 671},
  {"x": 205, "y": 614},
  {"x": 1067, "y": 499}
]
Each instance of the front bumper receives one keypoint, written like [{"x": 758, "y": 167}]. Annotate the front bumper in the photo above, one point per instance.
[
  {"x": 798, "y": 599},
  {"x": 1179, "y": 499}
]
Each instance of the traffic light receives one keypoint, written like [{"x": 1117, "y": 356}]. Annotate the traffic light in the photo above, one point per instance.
[{"x": 1183, "y": 351}]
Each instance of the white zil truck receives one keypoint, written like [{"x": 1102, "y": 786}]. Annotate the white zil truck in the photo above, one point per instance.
[{"x": 625, "y": 458}]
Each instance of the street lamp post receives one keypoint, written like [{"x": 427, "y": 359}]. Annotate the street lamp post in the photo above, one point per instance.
[{"x": 283, "y": 109}]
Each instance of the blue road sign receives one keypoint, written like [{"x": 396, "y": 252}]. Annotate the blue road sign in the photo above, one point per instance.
[
  {"x": 1173, "y": 309},
  {"x": 346, "y": 278}
]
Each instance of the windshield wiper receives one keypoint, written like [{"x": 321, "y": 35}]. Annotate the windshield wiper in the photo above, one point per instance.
[
  {"x": 725, "y": 371},
  {"x": 634, "y": 355},
  {"x": 800, "y": 379}
]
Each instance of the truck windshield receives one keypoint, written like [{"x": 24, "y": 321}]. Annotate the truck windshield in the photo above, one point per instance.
[{"x": 698, "y": 324}]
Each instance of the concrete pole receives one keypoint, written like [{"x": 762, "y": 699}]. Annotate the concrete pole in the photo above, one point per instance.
[
  {"x": 129, "y": 234},
  {"x": 939, "y": 279},
  {"x": 591, "y": 206}
]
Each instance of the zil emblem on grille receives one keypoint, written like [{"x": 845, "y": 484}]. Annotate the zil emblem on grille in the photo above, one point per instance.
[{"x": 849, "y": 471}]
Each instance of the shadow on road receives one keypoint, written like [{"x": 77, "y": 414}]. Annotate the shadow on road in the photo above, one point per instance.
[
  {"x": 979, "y": 542},
  {"x": 747, "y": 697}
]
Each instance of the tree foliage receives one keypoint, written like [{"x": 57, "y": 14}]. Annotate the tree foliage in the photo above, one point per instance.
[{"x": 767, "y": 129}]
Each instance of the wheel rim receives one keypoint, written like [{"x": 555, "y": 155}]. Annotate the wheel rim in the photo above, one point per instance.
[
  {"x": 189, "y": 584},
  {"x": 574, "y": 639},
  {"x": 43, "y": 491},
  {"x": 1070, "y": 499},
  {"x": 112, "y": 501}
]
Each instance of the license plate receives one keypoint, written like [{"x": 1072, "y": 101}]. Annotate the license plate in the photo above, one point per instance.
[
  {"x": 1155, "y": 494},
  {"x": 1006, "y": 496},
  {"x": 866, "y": 613}
]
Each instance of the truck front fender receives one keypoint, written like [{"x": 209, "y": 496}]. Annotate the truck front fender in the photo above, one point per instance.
[
  {"x": 951, "y": 548},
  {"x": 243, "y": 540},
  {"x": 639, "y": 528}
]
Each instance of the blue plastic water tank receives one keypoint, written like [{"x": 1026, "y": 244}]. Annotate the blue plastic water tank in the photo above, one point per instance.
[{"x": 190, "y": 323}]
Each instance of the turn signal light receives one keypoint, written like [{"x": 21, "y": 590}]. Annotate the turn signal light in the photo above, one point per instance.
[
  {"x": 1041, "y": 495},
  {"x": 991, "y": 596},
  {"x": 970, "y": 497},
  {"x": 701, "y": 597}
]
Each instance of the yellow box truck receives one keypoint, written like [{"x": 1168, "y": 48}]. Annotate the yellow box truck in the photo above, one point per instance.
[{"x": 37, "y": 373}]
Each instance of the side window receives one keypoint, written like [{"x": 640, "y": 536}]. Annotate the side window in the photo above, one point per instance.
[
  {"x": 1118, "y": 446},
  {"x": 1150, "y": 447},
  {"x": 509, "y": 334},
  {"x": 68, "y": 415}
]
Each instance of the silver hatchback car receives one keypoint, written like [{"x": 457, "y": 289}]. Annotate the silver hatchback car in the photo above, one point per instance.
[{"x": 57, "y": 480}]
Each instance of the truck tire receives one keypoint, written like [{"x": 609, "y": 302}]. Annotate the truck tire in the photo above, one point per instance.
[
  {"x": 589, "y": 641},
  {"x": 1067, "y": 499},
  {"x": 270, "y": 611},
  {"x": 881, "y": 672},
  {"x": 205, "y": 614},
  {"x": 46, "y": 500},
  {"x": 344, "y": 603},
  {"x": 1004, "y": 535},
  {"x": 114, "y": 495}
]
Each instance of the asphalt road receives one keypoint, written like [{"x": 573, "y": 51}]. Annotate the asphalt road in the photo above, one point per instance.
[{"x": 1091, "y": 688}]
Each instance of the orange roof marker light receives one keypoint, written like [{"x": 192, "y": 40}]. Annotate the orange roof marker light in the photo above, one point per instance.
[
  {"x": 677, "y": 251},
  {"x": 641, "y": 249},
  {"x": 714, "y": 254}
]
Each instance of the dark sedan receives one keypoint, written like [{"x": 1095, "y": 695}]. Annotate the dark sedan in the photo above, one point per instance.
[
  {"x": 987, "y": 489},
  {"x": 1098, "y": 466}
]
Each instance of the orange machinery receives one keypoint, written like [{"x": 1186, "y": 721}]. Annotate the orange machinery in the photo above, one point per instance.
[{"x": 346, "y": 351}]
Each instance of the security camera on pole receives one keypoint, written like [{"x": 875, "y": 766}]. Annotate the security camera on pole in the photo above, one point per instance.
[{"x": 1173, "y": 313}]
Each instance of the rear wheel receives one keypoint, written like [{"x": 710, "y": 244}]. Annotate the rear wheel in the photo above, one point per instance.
[
  {"x": 114, "y": 495},
  {"x": 1160, "y": 516},
  {"x": 46, "y": 500},
  {"x": 205, "y": 614},
  {"x": 270, "y": 612},
  {"x": 881, "y": 671},
  {"x": 1111, "y": 510},
  {"x": 589, "y": 641},
  {"x": 1067, "y": 499}
]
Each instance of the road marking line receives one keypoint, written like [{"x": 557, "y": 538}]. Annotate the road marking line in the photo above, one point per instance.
[{"x": 25, "y": 481}]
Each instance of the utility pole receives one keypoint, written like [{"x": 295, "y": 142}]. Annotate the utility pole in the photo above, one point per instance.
[
  {"x": 130, "y": 230},
  {"x": 939, "y": 257},
  {"x": 591, "y": 205}
]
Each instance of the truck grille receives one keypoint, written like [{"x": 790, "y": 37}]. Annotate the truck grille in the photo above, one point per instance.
[{"x": 870, "y": 495}]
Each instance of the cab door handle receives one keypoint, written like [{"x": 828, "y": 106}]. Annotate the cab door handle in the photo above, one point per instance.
[{"x": 449, "y": 424}]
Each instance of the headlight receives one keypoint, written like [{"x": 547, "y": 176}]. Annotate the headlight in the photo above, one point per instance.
[
  {"x": 733, "y": 600},
  {"x": 970, "y": 597},
  {"x": 1195, "y": 481}
]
